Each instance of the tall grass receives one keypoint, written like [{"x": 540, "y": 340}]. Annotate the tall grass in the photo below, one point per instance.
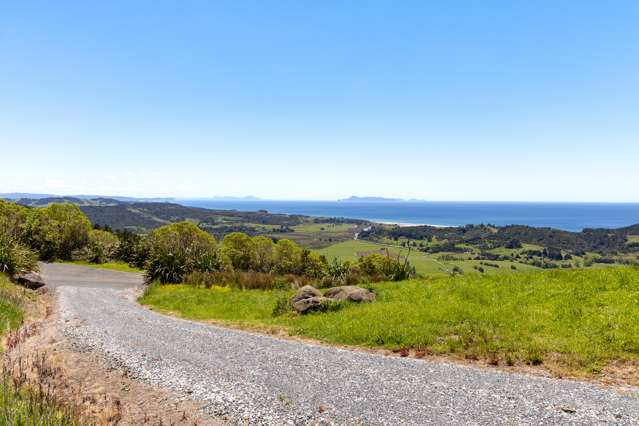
[
  {"x": 579, "y": 320},
  {"x": 11, "y": 314},
  {"x": 22, "y": 403},
  {"x": 25, "y": 404}
]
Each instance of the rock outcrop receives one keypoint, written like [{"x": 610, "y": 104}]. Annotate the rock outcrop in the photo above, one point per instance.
[
  {"x": 309, "y": 299},
  {"x": 350, "y": 292},
  {"x": 30, "y": 280}
]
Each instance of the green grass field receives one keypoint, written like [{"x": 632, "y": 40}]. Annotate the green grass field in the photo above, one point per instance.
[
  {"x": 113, "y": 266},
  {"x": 425, "y": 264},
  {"x": 573, "y": 322},
  {"x": 633, "y": 238},
  {"x": 325, "y": 227},
  {"x": 318, "y": 235}
]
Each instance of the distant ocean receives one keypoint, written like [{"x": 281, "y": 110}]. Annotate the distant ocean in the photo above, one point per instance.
[{"x": 566, "y": 216}]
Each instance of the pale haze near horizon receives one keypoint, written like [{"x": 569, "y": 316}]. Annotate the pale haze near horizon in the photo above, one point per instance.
[{"x": 309, "y": 100}]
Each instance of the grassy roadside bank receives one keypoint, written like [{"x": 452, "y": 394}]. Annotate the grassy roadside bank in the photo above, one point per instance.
[
  {"x": 113, "y": 266},
  {"x": 572, "y": 322},
  {"x": 21, "y": 404}
]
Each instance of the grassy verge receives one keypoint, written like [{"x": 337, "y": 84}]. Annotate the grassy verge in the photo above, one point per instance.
[
  {"x": 573, "y": 322},
  {"x": 11, "y": 313},
  {"x": 21, "y": 404},
  {"x": 113, "y": 266}
]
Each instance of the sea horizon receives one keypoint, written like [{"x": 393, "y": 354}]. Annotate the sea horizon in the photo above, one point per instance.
[{"x": 569, "y": 216}]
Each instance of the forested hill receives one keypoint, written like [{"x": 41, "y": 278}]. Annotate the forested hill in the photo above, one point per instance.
[
  {"x": 141, "y": 217},
  {"x": 603, "y": 241}
]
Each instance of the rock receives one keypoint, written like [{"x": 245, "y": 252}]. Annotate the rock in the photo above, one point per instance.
[
  {"x": 30, "y": 280},
  {"x": 350, "y": 292},
  {"x": 305, "y": 292},
  {"x": 310, "y": 304}
]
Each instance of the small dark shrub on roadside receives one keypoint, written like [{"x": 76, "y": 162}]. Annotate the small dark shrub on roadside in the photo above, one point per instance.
[
  {"x": 166, "y": 268},
  {"x": 535, "y": 356},
  {"x": 282, "y": 306}
]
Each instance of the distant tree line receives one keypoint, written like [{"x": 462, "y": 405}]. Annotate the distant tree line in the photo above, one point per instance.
[
  {"x": 605, "y": 242},
  {"x": 175, "y": 252}
]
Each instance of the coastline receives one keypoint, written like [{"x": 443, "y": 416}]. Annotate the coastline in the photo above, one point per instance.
[{"x": 406, "y": 224}]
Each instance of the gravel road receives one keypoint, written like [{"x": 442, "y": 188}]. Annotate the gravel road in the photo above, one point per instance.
[{"x": 254, "y": 379}]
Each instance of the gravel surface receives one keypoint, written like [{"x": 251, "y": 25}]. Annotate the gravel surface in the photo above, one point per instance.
[{"x": 256, "y": 379}]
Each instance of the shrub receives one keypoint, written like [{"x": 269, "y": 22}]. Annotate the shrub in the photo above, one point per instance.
[
  {"x": 263, "y": 253},
  {"x": 13, "y": 218},
  {"x": 457, "y": 270},
  {"x": 282, "y": 306},
  {"x": 57, "y": 230},
  {"x": 176, "y": 250},
  {"x": 15, "y": 257},
  {"x": 286, "y": 257},
  {"x": 312, "y": 265},
  {"x": 238, "y": 251},
  {"x": 102, "y": 246},
  {"x": 131, "y": 248},
  {"x": 378, "y": 267},
  {"x": 337, "y": 273}
]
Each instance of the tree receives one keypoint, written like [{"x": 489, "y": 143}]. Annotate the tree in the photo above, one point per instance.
[
  {"x": 13, "y": 218},
  {"x": 102, "y": 246},
  {"x": 312, "y": 264},
  {"x": 56, "y": 230},
  {"x": 238, "y": 251},
  {"x": 286, "y": 257},
  {"x": 263, "y": 253},
  {"x": 179, "y": 249}
]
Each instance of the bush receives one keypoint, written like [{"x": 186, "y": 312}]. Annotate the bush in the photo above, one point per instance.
[
  {"x": 132, "y": 249},
  {"x": 57, "y": 230},
  {"x": 312, "y": 265},
  {"x": 238, "y": 251},
  {"x": 282, "y": 306},
  {"x": 263, "y": 253},
  {"x": 13, "y": 218},
  {"x": 178, "y": 249},
  {"x": 338, "y": 273},
  {"x": 15, "y": 257},
  {"x": 286, "y": 257},
  {"x": 102, "y": 246},
  {"x": 384, "y": 268}
]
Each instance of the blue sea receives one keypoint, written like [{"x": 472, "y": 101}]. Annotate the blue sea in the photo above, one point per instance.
[{"x": 566, "y": 216}]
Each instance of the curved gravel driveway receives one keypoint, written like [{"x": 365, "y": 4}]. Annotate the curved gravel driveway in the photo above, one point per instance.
[{"x": 256, "y": 379}]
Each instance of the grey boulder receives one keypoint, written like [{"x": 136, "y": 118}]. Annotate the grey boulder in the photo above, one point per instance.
[
  {"x": 30, "y": 280},
  {"x": 305, "y": 292},
  {"x": 350, "y": 292},
  {"x": 310, "y": 304}
]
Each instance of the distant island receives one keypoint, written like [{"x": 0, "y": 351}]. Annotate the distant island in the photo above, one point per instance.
[
  {"x": 355, "y": 199},
  {"x": 29, "y": 196}
]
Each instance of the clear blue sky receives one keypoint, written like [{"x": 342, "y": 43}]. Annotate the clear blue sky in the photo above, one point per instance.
[{"x": 442, "y": 100}]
